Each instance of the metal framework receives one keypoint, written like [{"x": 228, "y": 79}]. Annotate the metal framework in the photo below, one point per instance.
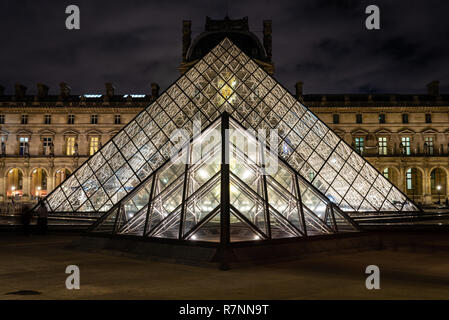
[
  {"x": 224, "y": 197},
  {"x": 226, "y": 80}
]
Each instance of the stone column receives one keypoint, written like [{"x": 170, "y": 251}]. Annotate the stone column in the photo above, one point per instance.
[
  {"x": 401, "y": 179},
  {"x": 26, "y": 182},
  {"x": 83, "y": 144},
  {"x": 186, "y": 37},
  {"x": 427, "y": 194},
  {"x": 2, "y": 182},
  {"x": 394, "y": 144},
  {"x": 35, "y": 144},
  {"x": 12, "y": 147},
  {"x": 447, "y": 188},
  {"x": 50, "y": 177},
  {"x": 267, "y": 38},
  {"x": 59, "y": 144}
]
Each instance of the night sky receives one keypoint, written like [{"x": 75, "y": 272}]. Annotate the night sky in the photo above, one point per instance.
[{"x": 135, "y": 42}]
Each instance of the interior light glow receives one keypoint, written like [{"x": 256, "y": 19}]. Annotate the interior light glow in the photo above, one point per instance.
[
  {"x": 134, "y": 95},
  {"x": 203, "y": 174}
]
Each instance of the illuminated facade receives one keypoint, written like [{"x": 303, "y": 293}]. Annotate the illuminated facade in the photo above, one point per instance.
[
  {"x": 405, "y": 136},
  {"x": 44, "y": 138},
  {"x": 226, "y": 80},
  {"x": 47, "y": 137}
]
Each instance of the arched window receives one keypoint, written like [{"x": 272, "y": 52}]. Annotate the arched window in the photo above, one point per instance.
[
  {"x": 38, "y": 186},
  {"x": 14, "y": 183},
  {"x": 61, "y": 175}
]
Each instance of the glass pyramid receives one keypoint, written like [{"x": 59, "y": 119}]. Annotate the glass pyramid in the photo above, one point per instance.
[
  {"x": 225, "y": 80},
  {"x": 219, "y": 190}
]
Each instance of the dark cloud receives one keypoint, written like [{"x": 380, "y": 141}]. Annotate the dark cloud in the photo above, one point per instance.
[{"x": 135, "y": 42}]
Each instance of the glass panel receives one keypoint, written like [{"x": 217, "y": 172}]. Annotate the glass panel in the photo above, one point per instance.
[
  {"x": 169, "y": 227},
  {"x": 342, "y": 223},
  {"x": 240, "y": 231},
  {"x": 314, "y": 225},
  {"x": 98, "y": 199},
  {"x": 132, "y": 221},
  {"x": 210, "y": 231},
  {"x": 312, "y": 201},
  {"x": 280, "y": 228},
  {"x": 248, "y": 205},
  {"x": 201, "y": 204},
  {"x": 107, "y": 225},
  {"x": 165, "y": 203}
]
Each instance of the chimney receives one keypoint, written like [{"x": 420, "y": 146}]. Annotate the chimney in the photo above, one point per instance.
[
  {"x": 298, "y": 87},
  {"x": 109, "y": 89},
  {"x": 20, "y": 90},
  {"x": 42, "y": 90},
  {"x": 186, "y": 38},
  {"x": 267, "y": 40},
  {"x": 433, "y": 88},
  {"x": 64, "y": 90},
  {"x": 2, "y": 90},
  {"x": 154, "y": 91}
]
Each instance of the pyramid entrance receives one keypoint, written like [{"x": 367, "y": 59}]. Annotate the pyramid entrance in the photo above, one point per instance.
[
  {"x": 223, "y": 186},
  {"x": 226, "y": 81}
]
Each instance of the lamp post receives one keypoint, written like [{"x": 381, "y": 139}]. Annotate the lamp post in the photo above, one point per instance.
[
  {"x": 13, "y": 188},
  {"x": 439, "y": 193}
]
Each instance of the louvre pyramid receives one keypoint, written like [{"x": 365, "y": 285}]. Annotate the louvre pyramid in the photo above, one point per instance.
[
  {"x": 226, "y": 80},
  {"x": 193, "y": 195}
]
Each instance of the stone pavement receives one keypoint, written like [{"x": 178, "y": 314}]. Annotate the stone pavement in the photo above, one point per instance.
[{"x": 38, "y": 263}]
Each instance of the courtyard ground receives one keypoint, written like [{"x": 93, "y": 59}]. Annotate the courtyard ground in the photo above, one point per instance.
[{"x": 38, "y": 263}]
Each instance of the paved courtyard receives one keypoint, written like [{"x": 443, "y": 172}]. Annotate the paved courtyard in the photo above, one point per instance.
[{"x": 38, "y": 263}]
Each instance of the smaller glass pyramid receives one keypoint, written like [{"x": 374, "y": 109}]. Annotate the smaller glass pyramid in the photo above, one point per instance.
[{"x": 224, "y": 185}]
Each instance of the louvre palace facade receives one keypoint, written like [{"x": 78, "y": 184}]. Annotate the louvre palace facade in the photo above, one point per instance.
[{"x": 45, "y": 137}]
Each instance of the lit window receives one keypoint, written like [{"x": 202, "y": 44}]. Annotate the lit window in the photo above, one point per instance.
[
  {"x": 70, "y": 142},
  {"x": 94, "y": 119},
  {"x": 23, "y": 149},
  {"x": 47, "y": 144},
  {"x": 71, "y": 119},
  {"x": 428, "y": 145},
  {"x": 226, "y": 88},
  {"x": 93, "y": 145},
  {"x": 382, "y": 143},
  {"x": 359, "y": 144},
  {"x": 385, "y": 173},
  {"x": 405, "y": 142},
  {"x": 409, "y": 180}
]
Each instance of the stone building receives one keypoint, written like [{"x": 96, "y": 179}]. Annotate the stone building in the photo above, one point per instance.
[
  {"x": 406, "y": 137},
  {"x": 46, "y": 137}
]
